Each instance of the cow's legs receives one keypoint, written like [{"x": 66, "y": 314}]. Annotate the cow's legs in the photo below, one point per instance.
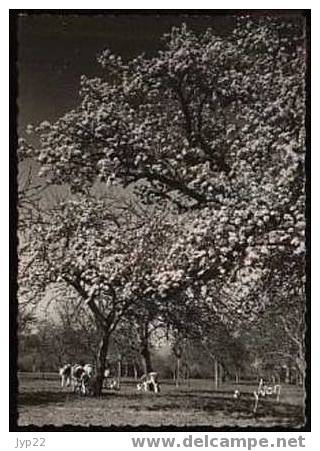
[{"x": 154, "y": 384}]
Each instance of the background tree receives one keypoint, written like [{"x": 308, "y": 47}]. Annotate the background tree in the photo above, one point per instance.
[{"x": 110, "y": 267}]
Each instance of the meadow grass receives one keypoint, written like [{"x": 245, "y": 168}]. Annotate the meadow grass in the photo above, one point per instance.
[{"x": 42, "y": 402}]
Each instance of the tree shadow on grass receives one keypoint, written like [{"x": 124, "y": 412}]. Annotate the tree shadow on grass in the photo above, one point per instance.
[
  {"x": 53, "y": 397},
  {"x": 45, "y": 397},
  {"x": 245, "y": 406},
  {"x": 212, "y": 403},
  {"x": 205, "y": 402}
]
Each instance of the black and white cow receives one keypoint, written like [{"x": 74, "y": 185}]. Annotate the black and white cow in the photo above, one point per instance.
[
  {"x": 66, "y": 375},
  {"x": 78, "y": 376},
  {"x": 149, "y": 382}
]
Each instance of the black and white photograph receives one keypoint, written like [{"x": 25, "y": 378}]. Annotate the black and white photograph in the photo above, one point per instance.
[{"x": 161, "y": 230}]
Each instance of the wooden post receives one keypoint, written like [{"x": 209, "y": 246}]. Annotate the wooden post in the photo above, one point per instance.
[
  {"x": 221, "y": 374},
  {"x": 256, "y": 396}
]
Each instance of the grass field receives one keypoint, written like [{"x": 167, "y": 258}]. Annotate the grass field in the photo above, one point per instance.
[{"x": 43, "y": 402}]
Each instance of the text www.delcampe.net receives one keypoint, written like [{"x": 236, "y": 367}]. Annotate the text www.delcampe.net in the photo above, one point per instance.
[{"x": 206, "y": 441}]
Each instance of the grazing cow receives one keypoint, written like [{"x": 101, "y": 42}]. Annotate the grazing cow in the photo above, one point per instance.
[
  {"x": 78, "y": 376},
  {"x": 149, "y": 382},
  {"x": 66, "y": 375}
]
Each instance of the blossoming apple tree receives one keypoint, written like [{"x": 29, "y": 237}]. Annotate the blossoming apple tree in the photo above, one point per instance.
[{"x": 209, "y": 135}]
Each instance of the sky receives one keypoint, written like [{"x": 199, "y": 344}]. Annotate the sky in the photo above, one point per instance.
[{"x": 55, "y": 50}]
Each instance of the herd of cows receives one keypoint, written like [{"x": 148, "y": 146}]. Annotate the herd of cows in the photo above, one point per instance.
[{"x": 81, "y": 379}]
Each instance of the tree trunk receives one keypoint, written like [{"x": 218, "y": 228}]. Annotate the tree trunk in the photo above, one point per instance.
[
  {"x": 297, "y": 376},
  {"x": 135, "y": 371},
  {"x": 216, "y": 374},
  {"x": 188, "y": 376},
  {"x": 119, "y": 370},
  {"x": 177, "y": 371},
  {"x": 145, "y": 351},
  {"x": 221, "y": 374},
  {"x": 301, "y": 369},
  {"x": 287, "y": 378},
  {"x": 146, "y": 359},
  {"x": 101, "y": 363}
]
